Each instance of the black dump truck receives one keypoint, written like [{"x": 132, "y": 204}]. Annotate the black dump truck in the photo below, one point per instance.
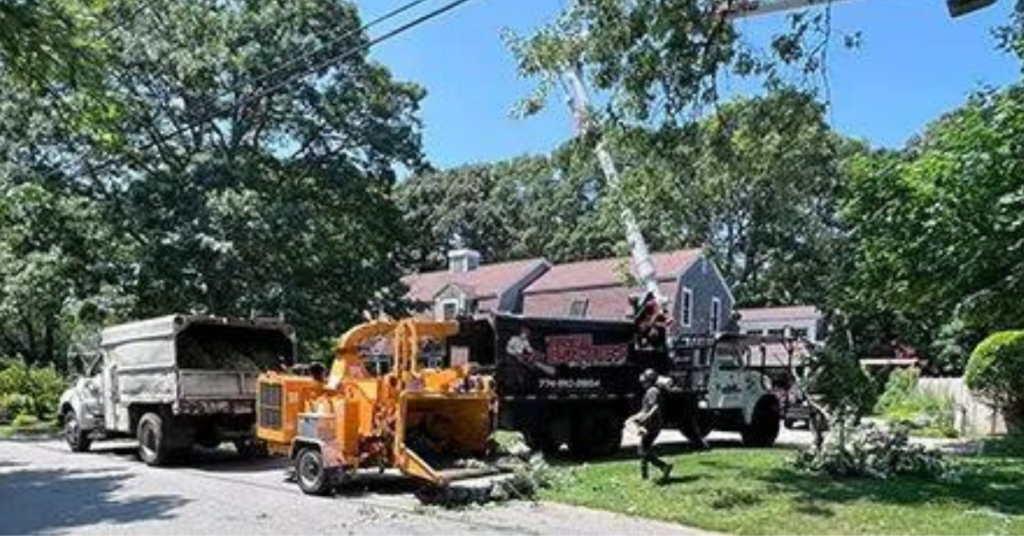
[{"x": 574, "y": 382}]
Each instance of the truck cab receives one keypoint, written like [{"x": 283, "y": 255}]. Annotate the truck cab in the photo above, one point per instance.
[{"x": 747, "y": 384}]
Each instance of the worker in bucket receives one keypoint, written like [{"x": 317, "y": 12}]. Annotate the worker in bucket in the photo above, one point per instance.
[{"x": 648, "y": 424}]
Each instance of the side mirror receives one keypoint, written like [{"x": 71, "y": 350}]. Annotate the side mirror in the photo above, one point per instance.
[{"x": 959, "y": 8}]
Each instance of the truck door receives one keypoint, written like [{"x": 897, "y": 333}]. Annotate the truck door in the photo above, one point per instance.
[{"x": 725, "y": 387}]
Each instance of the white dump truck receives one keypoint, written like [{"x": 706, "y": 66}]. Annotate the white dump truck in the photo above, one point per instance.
[{"x": 173, "y": 382}]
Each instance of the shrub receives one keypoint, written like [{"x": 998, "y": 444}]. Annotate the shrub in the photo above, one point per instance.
[
  {"x": 996, "y": 372},
  {"x": 902, "y": 384},
  {"x": 839, "y": 384},
  {"x": 29, "y": 390},
  {"x": 924, "y": 413},
  {"x": 14, "y": 404}
]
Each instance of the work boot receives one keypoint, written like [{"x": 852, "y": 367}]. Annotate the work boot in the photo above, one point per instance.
[{"x": 666, "y": 472}]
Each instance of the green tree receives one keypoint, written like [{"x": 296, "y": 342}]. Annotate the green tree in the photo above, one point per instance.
[
  {"x": 757, "y": 183},
  {"x": 236, "y": 186},
  {"x": 935, "y": 232},
  {"x": 655, "y": 61},
  {"x": 61, "y": 270},
  {"x": 46, "y": 42}
]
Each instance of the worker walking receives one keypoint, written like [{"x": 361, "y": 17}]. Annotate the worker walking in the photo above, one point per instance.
[{"x": 648, "y": 422}]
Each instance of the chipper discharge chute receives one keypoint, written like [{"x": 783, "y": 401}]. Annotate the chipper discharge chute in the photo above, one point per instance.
[{"x": 398, "y": 395}]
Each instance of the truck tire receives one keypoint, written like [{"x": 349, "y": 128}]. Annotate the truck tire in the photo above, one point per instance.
[
  {"x": 249, "y": 448},
  {"x": 153, "y": 448},
  {"x": 596, "y": 435},
  {"x": 539, "y": 440},
  {"x": 697, "y": 431},
  {"x": 763, "y": 428},
  {"x": 310, "y": 472},
  {"x": 78, "y": 439}
]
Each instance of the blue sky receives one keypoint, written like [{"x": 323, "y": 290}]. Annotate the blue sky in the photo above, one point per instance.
[{"x": 914, "y": 64}]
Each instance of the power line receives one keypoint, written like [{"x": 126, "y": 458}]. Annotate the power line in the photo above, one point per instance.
[
  {"x": 327, "y": 62},
  {"x": 323, "y": 64},
  {"x": 309, "y": 55}
]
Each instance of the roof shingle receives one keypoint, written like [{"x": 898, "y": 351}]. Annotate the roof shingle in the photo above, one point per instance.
[
  {"x": 608, "y": 272},
  {"x": 487, "y": 281}
]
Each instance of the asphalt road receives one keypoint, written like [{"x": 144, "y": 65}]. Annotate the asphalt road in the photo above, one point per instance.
[{"x": 45, "y": 489}]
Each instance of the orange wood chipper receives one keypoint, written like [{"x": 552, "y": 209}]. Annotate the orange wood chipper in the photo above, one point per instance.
[{"x": 398, "y": 395}]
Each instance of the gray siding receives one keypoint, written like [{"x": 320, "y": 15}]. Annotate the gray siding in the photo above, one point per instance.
[{"x": 705, "y": 282}]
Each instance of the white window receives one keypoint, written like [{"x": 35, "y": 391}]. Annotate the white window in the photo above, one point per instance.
[
  {"x": 716, "y": 314},
  {"x": 686, "y": 307},
  {"x": 578, "y": 308},
  {"x": 449, "y": 309}
]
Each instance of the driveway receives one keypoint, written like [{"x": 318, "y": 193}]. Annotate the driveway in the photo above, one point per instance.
[{"x": 46, "y": 489}]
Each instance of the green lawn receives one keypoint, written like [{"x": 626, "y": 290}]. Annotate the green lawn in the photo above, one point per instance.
[
  {"x": 747, "y": 491},
  {"x": 42, "y": 428}
]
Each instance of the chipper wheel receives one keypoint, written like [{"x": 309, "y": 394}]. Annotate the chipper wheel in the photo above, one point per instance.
[{"x": 313, "y": 477}]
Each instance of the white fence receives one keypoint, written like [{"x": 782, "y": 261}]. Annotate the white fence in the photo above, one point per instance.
[{"x": 973, "y": 417}]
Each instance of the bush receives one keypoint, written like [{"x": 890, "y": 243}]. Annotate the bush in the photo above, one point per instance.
[
  {"x": 996, "y": 372},
  {"x": 13, "y": 405},
  {"x": 28, "y": 390},
  {"x": 904, "y": 404},
  {"x": 839, "y": 385},
  {"x": 902, "y": 384}
]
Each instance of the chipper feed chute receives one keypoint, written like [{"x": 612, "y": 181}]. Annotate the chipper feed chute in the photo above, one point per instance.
[
  {"x": 435, "y": 433},
  {"x": 398, "y": 395}
]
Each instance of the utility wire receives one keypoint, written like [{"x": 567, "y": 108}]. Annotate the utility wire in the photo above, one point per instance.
[
  {"x": 323, "y": 64},
  {"x": 337, "y": 40}
]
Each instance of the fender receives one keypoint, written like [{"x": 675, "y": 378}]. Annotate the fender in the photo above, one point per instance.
[
  {"x": 300, "y": 442},
  {"x": 74, "y": 399},
  {"x": 754, "y": 393}
]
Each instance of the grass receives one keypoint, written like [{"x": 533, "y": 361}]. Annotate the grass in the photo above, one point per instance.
[
  {"x": 35, "y": 428},
  {"x": 745, "y": 491}
]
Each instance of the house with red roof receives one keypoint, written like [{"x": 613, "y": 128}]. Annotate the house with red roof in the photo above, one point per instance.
[
  {"x": 698, "y": 296},
  {"x": 468, "y": 286}
]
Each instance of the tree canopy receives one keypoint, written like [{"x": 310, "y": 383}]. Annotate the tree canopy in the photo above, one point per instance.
[
  {"x": 756, "y": 184},
  {"x": 225, "y": 183}
]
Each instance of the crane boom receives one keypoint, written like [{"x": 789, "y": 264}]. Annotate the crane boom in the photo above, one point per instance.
[
  {"x": 738, "y": 9},
  {"x": 643, "y": 264}
]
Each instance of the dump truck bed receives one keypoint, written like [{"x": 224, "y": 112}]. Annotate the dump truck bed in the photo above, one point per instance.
[{"x": 194, "y": 364}]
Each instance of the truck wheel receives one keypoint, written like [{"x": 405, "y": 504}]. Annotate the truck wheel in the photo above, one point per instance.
[
  {"x": 540, "y": 440},
  {"x": 311, "y": 473},
  {"x": 77, "y": 438},
  {"x": 249, "y": 448},
  {"x": 596, "y": 435},
  {"x": 763, "y": 428},
  {"x": 698, "y": 431},
  {"x": 153, "y": 448}
]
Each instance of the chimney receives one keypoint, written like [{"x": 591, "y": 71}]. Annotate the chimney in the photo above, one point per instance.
[{"x": 463, "y": 260}]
